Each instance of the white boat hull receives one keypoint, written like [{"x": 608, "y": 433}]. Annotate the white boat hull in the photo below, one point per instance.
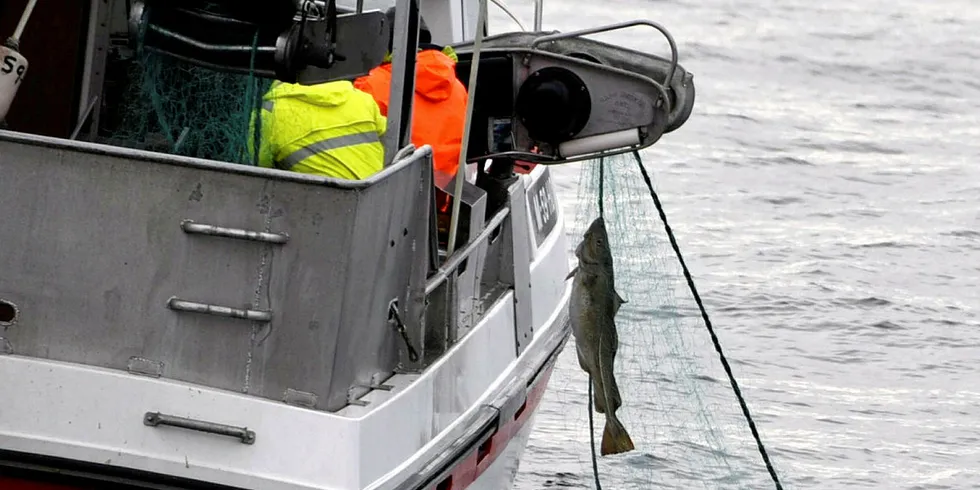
[{"x": 464, "y": 419}]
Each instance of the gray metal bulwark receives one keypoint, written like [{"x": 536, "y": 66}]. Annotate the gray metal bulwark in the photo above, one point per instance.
[
  {"x": 93, "y": 250},
  {"x": 521, "y": 254}
]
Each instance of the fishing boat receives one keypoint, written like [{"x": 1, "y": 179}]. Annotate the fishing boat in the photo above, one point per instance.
[{"x": 175, "y": 322}]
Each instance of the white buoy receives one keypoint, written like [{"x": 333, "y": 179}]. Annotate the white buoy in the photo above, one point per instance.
[{"x": 13, "y": 65}]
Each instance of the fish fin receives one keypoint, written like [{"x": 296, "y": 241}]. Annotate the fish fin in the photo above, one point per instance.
[
  {"x": 598, "y": 401},
  {"x": 617, "y": 302},
  {"x": 581, "y": 358},
  {"x": 598, "y": 395},
  {"x": 615, "y": 439},
  {"x": 581, "y": 361},
  {"x": 606, "y": 388},
  {"x": 571, "y": 274}
]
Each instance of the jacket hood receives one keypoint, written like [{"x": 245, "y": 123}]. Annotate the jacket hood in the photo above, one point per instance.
[
  {"x": 434, "y": 75},
  {"x": 328, "y": 94}
]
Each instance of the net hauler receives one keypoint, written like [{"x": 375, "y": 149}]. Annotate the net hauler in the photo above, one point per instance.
[{"x": 552, "y": 97}]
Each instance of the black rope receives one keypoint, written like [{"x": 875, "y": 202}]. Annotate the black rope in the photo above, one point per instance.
[
  {"x": 707, "y": 323},
  {"x": 395, "y": 319},
  {"x": 595, "y": 461},
  {"x": 602, "y": 197}
]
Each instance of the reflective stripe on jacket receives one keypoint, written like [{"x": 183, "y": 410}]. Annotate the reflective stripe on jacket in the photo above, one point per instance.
[
  {"x": 439, "y": 107},
  {"x": 328, "y": 129}
]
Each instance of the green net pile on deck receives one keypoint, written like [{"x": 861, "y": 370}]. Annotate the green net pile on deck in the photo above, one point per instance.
[
  {"x": 170, "y": 106},
  {"x": 678, "y": 406}
]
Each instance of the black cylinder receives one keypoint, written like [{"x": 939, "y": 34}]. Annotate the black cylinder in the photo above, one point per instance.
[{"x": 553, "y": 104}]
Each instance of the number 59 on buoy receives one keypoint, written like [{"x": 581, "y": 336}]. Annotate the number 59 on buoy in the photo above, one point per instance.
[{"x": 13, "y": 65}]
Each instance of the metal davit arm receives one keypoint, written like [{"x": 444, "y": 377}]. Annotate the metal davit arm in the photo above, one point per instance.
[
  {"x": 470, "y": 102},
  {"x": 405, "y": 40},
  {"x": 538, "y": 14}
]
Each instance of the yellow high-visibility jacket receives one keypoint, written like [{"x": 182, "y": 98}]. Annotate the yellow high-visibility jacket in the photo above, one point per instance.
[{"x": 329, "y": 129}]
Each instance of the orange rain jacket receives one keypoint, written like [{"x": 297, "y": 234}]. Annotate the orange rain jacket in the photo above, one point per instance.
[{"x": 439, "y": 108}]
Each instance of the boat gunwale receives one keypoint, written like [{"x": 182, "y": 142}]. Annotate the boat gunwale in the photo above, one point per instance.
[{"x": 102, "y": 149}]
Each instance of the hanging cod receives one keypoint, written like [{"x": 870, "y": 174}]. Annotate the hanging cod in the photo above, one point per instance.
[{"x": 593, "y": 307}]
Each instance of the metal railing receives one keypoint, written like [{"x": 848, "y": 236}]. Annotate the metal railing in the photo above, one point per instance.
[{"x": 453, "y": 261}]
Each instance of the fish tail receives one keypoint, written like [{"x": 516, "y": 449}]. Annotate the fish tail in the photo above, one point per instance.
[{"x": 615, "y": 439}]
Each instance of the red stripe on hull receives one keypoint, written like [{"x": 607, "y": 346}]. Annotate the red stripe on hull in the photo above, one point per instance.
[
  {"x": 17, "y": 484},
  {"x": 469, "y": 469}
]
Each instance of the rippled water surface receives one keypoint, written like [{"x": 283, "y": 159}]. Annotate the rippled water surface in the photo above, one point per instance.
[{"x": 826, "y": 193}]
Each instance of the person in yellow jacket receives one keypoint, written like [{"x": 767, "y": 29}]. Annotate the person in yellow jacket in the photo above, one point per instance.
[{"x": 329, "y": 129}]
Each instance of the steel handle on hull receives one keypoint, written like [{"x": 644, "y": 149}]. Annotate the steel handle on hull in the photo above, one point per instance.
[
  {"x": 178, "y": 304},
  {"x": 155, "y": 419},
  {"x": 189, "y": 226}
]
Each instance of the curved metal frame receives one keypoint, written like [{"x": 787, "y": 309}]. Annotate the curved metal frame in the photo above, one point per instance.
[
  {"x": 502, "y": 6},
  {"x": 622, "y": 25}
]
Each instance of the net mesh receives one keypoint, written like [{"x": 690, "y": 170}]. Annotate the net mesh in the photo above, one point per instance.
[
  {"x": 677, "y": 403},
  {"x": 172, "y": 106}
]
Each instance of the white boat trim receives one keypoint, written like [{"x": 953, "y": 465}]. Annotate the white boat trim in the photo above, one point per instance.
[{"x": 84, "y": 426}]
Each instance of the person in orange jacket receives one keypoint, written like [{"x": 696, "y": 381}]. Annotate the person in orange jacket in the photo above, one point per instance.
[{"x": 439, "y": 107}]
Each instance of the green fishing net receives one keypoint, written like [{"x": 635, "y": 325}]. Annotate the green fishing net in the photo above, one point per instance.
[
  {"x": 678, "y": 405},
  {"x": 171, "y": 106},
  {"x": 161, "y": 103}
]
